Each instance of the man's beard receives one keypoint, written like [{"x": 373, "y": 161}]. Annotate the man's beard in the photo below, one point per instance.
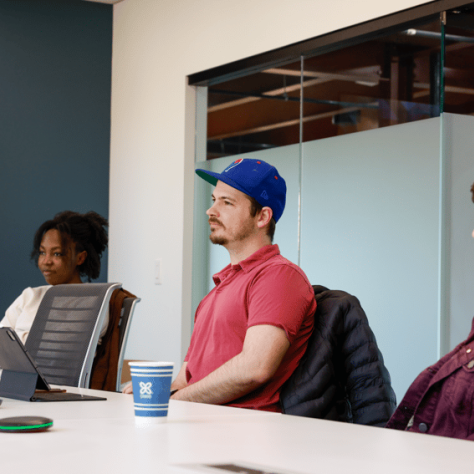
[
  {"x": 215, "y": 239},
  {"x": 218, "y": 240},
  {"x": 242, "y": 234}
]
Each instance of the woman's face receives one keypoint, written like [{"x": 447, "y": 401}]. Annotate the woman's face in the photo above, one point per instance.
[{"x": 58, "y": 264}]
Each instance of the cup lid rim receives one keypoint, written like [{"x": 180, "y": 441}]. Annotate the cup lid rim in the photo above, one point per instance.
[{"x": 150, "y": 364}]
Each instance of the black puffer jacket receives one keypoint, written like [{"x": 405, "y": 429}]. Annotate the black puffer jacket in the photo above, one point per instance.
[{"x": 342, "y": 375}]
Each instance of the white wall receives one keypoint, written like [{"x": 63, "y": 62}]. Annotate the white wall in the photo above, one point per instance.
[
  {"x": 458, "y": 146},
  {"x": 156, "y": 44},
  {"x": 370, "y": 218}
]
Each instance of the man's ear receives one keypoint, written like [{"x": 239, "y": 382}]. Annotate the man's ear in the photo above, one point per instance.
[{"x": 264, "y": 217}]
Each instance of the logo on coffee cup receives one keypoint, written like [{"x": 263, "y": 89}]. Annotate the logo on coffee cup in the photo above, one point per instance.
[{"x": 145, "y": 390}]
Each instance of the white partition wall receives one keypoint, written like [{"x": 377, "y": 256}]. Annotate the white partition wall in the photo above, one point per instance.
[
  {"x": 370, "y": 227},
  {"x": 458, "y": 146}
]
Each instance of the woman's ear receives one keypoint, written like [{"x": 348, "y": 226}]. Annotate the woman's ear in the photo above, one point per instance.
[{"x": 81, "y": 258}]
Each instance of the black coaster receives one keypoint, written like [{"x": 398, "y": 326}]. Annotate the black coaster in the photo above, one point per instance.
[{"x": 25, "y": 424}]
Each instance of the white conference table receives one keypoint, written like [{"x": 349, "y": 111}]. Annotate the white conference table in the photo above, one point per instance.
[{"x": 103, "y": 436}]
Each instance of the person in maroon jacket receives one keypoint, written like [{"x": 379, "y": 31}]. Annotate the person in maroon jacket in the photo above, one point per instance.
[{"x": 441, "y": 399}]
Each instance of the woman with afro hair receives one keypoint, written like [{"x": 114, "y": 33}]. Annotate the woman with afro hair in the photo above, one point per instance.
[{"x": 66, "y": 249}]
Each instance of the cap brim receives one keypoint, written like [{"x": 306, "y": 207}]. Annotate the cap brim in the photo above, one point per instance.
[
  {"x": 208, "y": 176},
  {"x": 212, "y": 178}
]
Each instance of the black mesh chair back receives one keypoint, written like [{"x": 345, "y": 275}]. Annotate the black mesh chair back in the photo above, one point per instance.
[
  {"x": 125, "y": 324},
  {"x": 64, "y": 335}
]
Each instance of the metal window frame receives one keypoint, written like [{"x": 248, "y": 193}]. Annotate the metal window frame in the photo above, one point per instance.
[{"x": 328, "y": 42}]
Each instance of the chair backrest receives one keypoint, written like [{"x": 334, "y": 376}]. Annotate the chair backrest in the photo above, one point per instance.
[
  {"x": 342, "y": 375},
  {"x": 125, "y": 324},
  {"x": 64, "y": 335}
]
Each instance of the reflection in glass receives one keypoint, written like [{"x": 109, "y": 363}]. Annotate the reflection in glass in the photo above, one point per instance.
[
  {"x": 253, "y": 113},
  {"x": 458, "y": 71},
  {"x": 386, "y": 81}
]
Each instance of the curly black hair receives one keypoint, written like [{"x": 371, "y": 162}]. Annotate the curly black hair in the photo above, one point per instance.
[{"x": 87, "y": 231}]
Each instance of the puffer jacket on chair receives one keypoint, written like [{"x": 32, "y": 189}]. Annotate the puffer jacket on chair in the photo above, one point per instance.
[{"x": 342, "y": 375}]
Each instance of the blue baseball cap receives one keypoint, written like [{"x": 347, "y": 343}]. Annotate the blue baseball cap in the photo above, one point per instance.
[{"x": 256, "y": 179}]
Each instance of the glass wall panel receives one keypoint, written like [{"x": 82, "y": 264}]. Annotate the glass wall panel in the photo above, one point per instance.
[
  {"x": 370, "y": 207},
  {"x": 459, "y": 62},
  {"x": 256, "y": 112},
  {"x": 389, "y": 80}
]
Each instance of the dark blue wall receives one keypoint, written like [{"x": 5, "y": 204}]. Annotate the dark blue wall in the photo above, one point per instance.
[{"x": 55, "y": 84}]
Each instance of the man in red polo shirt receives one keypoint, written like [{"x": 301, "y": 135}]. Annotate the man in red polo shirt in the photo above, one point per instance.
[{"x": 252, "y": 329}]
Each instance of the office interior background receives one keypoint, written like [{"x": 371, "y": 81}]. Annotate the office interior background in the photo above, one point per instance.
[{"x": 97, "y": 113}]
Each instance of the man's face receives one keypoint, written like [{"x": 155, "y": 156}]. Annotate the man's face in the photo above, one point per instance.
[{"x": 229, "y": 216}]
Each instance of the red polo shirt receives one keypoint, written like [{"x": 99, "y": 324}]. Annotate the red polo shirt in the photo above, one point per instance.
[{"x": 265, "y": 288}]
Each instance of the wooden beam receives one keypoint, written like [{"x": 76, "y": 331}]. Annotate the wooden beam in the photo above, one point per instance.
[
  {"x": 452, "y": 89},
  {"x": 321, "y": 78},
  {"x": 372, "y": 79},
  {"x": 288, "y": 123},
  {"x": 275, "y": 92}
]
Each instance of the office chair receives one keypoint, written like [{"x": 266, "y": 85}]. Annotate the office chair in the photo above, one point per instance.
[
  {"x": 125, "y": 324},
  {"x": 108, "y": 362},
  {"x": 342, "y": 375},
  {"x": 64, "y": 335}
]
